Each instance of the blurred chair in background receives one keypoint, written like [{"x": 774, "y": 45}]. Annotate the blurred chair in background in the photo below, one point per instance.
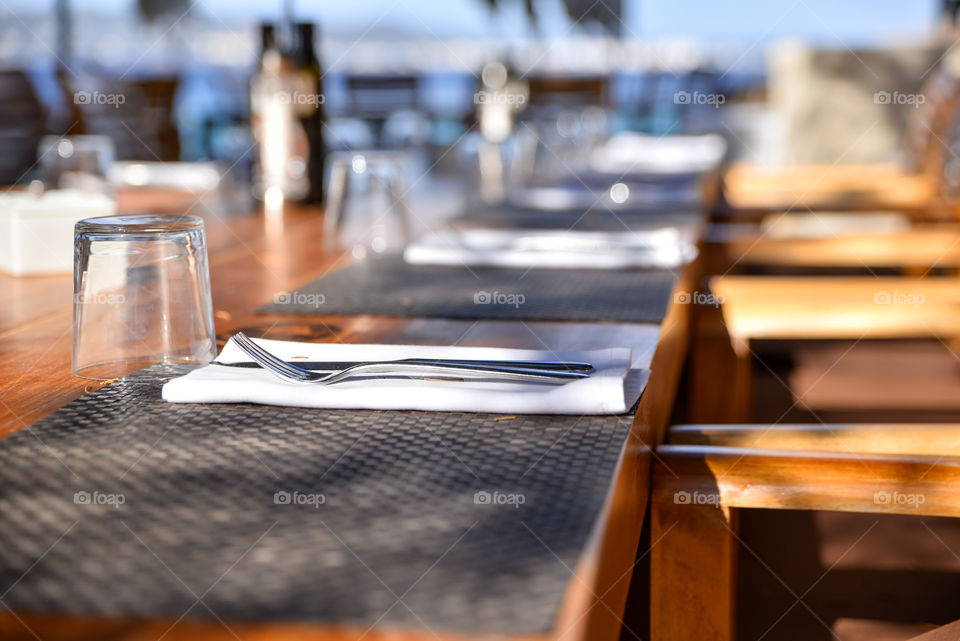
[
  {"x": 159, "y": 94},
  {"x": 570, "y": 91},
  {"x": 21, "y": 125},
  {"x": 846, "y": 106},
  {"x": 136, "y": 114},
  {"x": 376, "y": 99},
  {"x": 844, "y": 115}
]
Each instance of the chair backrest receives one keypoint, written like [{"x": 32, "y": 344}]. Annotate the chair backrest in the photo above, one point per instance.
[
  {"x": 378, "y": 96},
  {"x": 568, "y": 91},
  {"x": 21, "y": 125},
  {"x": 136, "y": 114}
]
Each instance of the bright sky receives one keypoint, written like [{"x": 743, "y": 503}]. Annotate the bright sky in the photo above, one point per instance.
[
  {"x": 854, "y": 22},
  {"x": 827, "y": 22}
]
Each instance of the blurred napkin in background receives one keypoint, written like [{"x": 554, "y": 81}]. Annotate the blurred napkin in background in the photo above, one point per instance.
[
  {"x": 664, "y": 248},
  {"x": 635, "y": 153}
]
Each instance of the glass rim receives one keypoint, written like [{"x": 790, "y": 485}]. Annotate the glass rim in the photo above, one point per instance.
[{"x": 139, "y": 224}]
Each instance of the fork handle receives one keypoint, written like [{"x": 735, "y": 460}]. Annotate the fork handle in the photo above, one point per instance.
[
  {"x": 424, "y": 370},
  {"x": 332, "y": 366}
]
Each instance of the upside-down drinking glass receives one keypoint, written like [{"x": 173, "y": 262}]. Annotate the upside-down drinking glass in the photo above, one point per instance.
[
  {"x": 366, "y": 209},
  {"x": 141, "y": 289},
  {"x": 76, "y": 162}
]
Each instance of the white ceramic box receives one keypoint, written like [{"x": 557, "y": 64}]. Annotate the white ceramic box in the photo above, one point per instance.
[{"x": 36, "y": 231}]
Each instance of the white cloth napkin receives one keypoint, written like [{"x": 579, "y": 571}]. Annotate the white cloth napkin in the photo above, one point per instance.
[
  {"x": 630, "y": 152},
  {"x": 552, "y": 249},
  {"x": 613, "y": 388}
]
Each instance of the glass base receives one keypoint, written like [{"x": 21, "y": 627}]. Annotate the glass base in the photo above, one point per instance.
[{"x": 135, "y": 370}]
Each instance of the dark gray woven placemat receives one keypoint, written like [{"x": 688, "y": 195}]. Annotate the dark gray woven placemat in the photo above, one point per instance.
[
  {"x": 595, "y": 220},
  {"x": 590, "y": 192},
  {"x": 390, "y": 287},
  {"x": 198, "y": 517}
]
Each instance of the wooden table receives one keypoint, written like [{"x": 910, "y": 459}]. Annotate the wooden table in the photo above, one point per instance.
[{"x": 252, "y": 257}]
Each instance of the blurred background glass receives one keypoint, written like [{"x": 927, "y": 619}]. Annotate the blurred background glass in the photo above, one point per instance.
[
  {"x": 367, "y": 202},
  {"x": 76, "y": 162}
]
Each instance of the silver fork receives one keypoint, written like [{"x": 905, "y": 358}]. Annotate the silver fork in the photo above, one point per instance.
[{"x": 418, "y": 368}]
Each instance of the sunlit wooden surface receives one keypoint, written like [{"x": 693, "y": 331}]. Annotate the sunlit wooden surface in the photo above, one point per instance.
[
  {"x": 253, "y": 257},
  {"x": 803, "y": 307},
  {"x": 923, "y": 248},
  {"x": 929, "y": 439},
  {"x": 705, "y": 474},
  {"x": 825, "y": 186}
]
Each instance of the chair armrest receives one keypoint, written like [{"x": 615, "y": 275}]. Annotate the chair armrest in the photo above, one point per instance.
[{"x": 805, "y": 480}]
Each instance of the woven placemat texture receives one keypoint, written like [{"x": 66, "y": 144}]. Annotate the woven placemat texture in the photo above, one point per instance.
[
  {"x": 595, "y": 220},
  {"x": 121, "y": 504},
  {"x": 389, "y": 286}
]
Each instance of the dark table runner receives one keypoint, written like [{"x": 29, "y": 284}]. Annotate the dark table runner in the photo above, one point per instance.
[
  {"x": 390, "y": 287},
  {"x": 121, "y": 504},
  {"x": 592, "y": 191},
  {"x": 596, "y": 220}
]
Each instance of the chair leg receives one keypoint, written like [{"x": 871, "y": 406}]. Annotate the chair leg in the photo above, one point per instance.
[
  {"x": 742, "y": 397},
  {"x": 692, "y": 572},
  {"x": 720, "y": 372}
]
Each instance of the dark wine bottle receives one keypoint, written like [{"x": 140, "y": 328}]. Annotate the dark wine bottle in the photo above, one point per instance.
[
  {"x": 268, "y": 42},
  {"x": 310, "y": 108}
]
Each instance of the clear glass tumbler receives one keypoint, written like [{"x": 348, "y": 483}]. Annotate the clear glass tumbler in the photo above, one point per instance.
[
  {"x": 366, "y": 209},
  {"x": 141, "y": 288},
  {"x": 76, "y": 162}
]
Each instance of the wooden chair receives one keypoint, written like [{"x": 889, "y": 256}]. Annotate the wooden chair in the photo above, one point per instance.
[
  {"x": 797, "y": 308},
  {"x": 746, "y": 308},
  {"x": 832, "y": 307},
  {"x": 706, "y": 474},
  {"x": 919, "y": 186},
  {"x": 749, "y": 191},
  {"x": 730, "y": 248}
]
